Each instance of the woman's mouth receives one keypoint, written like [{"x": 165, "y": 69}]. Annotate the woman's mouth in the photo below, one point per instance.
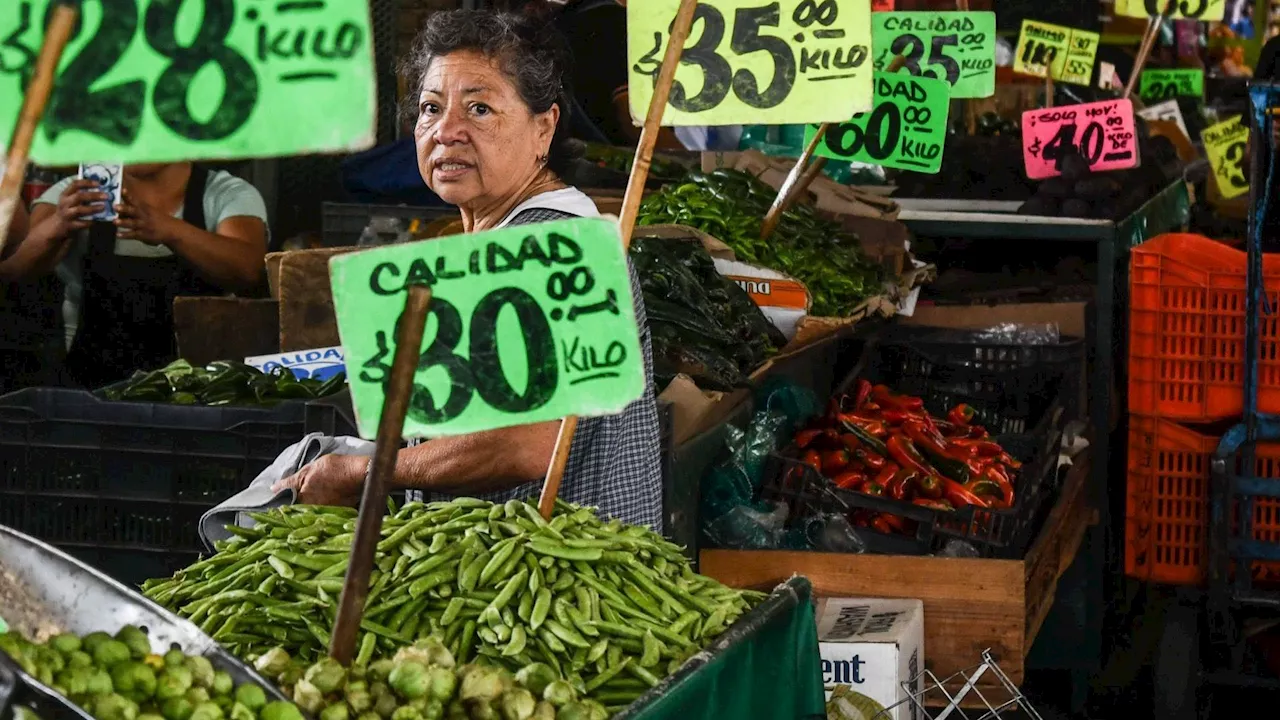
[{"x": 451, "y": 169}]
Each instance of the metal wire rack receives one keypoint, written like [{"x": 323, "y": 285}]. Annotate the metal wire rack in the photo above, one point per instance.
[{"x": 926, "y": 690}]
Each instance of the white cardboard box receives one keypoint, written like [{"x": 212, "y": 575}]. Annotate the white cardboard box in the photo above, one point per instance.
[{"x": 869, "y": 647}]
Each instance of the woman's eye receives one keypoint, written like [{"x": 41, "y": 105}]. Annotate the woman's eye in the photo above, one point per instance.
[
  {"x": 428, "y": 109},
  {"x": 480, "y": 109}
]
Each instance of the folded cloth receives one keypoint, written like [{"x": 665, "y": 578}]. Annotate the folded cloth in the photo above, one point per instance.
[{"x": 258, "y": 496}]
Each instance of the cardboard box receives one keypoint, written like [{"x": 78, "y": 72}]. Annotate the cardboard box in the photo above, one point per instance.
[
  {"x": 869, "y": 648},
  {"x": 225, "y": 328}
]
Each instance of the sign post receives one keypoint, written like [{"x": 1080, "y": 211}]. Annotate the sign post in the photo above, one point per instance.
[{"x": 33, "y": 104}]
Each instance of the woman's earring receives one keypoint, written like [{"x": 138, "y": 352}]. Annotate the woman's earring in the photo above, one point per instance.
[{"x": 542, "y": 159}]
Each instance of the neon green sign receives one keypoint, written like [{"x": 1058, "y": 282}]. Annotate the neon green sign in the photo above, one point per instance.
[
  {"x": 168, "y": 80},
  {"x": 906, "y": 129},
  {"x": 526, "y": 324}
]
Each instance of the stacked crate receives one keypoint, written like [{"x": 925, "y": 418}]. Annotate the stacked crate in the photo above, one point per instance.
[{"x": 1186, "y": 380}]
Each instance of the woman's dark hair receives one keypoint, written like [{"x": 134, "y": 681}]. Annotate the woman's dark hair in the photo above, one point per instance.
[{"x": 530, "y": 51}]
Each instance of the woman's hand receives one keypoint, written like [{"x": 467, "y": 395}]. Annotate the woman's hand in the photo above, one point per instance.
[
  {"x": 329, "y": 480},
  {"x": 141, "y": 222},
  {"x": 81, "y": 199}
]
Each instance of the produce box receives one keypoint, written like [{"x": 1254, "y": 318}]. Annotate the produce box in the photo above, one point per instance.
[
  {"x": 870, "y": 648},
  {"x": 214, "y": 328},
  {"x": 300, "y": 282},
  {"x": 969, "y": 604}
]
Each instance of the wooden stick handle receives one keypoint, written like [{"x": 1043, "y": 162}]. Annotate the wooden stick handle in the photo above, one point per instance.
[
  {"x": 1048, "y": 90},
  {"x": 797, "y": 180},
  {"x": 33, "y": 105},
  {"x": 382, "y": 468},
  {"x": 627, "y": 221},
  {"x": 653, "y": 120},
  {"x": 1148, "y": 42}
]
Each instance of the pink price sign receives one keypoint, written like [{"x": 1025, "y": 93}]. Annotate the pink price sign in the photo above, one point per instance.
[{"x": 1102, "y": 132}]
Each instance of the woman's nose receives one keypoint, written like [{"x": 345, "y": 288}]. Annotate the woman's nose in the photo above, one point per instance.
[{"x": 451, "y": 128}]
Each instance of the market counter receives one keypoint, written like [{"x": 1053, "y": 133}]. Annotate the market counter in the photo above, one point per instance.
[{"x": 969, "y": 604}]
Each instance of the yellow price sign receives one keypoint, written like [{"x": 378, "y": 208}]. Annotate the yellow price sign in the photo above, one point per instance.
[
  {"x": 1063, "y": 53},
  {"x": 1226, "y": 145},
  {"x": 776, "y": 62},
  {"x": 1203, "y": 10}
]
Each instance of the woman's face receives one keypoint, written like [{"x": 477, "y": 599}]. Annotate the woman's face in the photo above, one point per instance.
[{"x": 478, "y": 143}]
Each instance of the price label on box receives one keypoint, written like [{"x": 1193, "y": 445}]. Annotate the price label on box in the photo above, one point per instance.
[
  {"x": 1227, "y": 145},
  {"x": 1103, "y": 132},
  {"x": 1157, "y": 85},
  {"x": 1066, "y": 54},
  {"x": 526, "y": 324},
  {"x": 959, "y": 47},
  {"x": 757, "y": 62},
  {"x": 1167, "y": 110},
  {"x": 1203, "y": 10},
  {"x": 169, "y": 81},
  {"x": 907, "y": 129}
]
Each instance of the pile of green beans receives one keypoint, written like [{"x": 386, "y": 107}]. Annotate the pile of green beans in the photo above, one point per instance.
[{"x": 592, "y": 599}]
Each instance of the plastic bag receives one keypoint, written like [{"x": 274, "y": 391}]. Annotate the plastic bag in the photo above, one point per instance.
[
  {"x": 744, "y": 528},
  {"x": 1021, "y": 334}
]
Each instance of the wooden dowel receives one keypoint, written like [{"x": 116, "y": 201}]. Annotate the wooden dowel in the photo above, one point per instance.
[
  {"x": 797, "y": 180},
  {"x": 627, "y": 221},
  {"x": 1144, "y": 50},
  {"x": 355, "y": 588},
  {"x": 33, "y": 105},
  {"x": 653, "y": 120},
  {"x": 1048, "y": 90}
]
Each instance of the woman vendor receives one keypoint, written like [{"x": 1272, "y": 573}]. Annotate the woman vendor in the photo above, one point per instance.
[
  {"x": 490, "y": 134},
  {"x": 181, "y": 230}
]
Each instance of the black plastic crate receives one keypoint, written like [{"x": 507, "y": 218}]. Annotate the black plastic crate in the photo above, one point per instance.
[
  {"x": 80, "y": 471},
  {"x": 332, "y": 415}
]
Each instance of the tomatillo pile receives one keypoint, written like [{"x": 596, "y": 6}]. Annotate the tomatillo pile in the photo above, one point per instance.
[
  {"x": 593, "y": 600},
  {"x": 118, "y": 678},
  {"x": 422, "y": 683}
]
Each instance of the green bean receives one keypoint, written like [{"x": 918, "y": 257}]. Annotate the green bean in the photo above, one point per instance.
[
  {"x": 540, "y": 608},
  {"x": 566, "y": 635},
  {"x": 555, "y": 550},
  {"x": 613, "y": 670}
]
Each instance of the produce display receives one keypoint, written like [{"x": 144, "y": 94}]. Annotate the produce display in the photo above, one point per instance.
[
  {"x": 974, "y": 167},
  {"x": 592, "y": 599},
  {"x": 224, "y": 382},
  {"x": 702, "y": 323},
  {"x": 119, "y": 678},
  {"x": 731, "y": 205},
  {"x": 423, "y": 682},
  {"x": 620, "y": 160},
  {"x": 879, "y": 443}
]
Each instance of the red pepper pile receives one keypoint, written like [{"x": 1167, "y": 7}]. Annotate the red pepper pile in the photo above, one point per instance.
[{"x": 887, "y": 445}]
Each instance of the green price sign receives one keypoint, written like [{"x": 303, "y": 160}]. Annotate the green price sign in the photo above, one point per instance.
[
  {"x": 959, "y": 47},
  {"x": 906, "y": 129},
  {"x": 167, "y": 80},
  {"x": 526, "y": 324},
  {"x": 1157, "y": 85},
  {"x": 773, "y": 62}
]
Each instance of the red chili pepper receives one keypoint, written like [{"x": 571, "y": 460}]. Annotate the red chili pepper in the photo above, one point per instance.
[
  {"x": 899, "y": 484},
  {"x": 886, "y": 473},
  {"x": 982, "y": 448},
  {"x": 929, "y": 486},
  {"x": 870, "y": 459},
  {"x": 895, "y": 416},
  {"x": 833, "y": 461},
  {"x": 862, "y": 391},
  {"x": 873, "y": 426},
  {"x": 921, "y": 437},
  {"x": 849, "y": 480},
  {"x": 995, "y": 474},
  {"x": 850, "y": 442},
  {"x": 805, "y": 438},
  {"x": 961, "y": 414},
  {"x": 812, "y": 458},
  {"x": 984, "y": 489},
  {"x": 933, "y": 504},
  {"x": 1010, "y": 461},
  {"x": 959, "y": 496},
  {"x": 898, "y": 524},
  {"x": 881, "y": 395},
  {"x": 977, "y": 432},
  {"x": 906, "y": 455},
  {"x": 873, "y": 488},
  {"x": 881, "y": 526}
]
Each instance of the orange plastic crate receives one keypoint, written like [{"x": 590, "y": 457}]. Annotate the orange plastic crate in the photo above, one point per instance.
[
  {"x": 1186, "y": 330},
  {"x": 1167, "y": 506}
]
